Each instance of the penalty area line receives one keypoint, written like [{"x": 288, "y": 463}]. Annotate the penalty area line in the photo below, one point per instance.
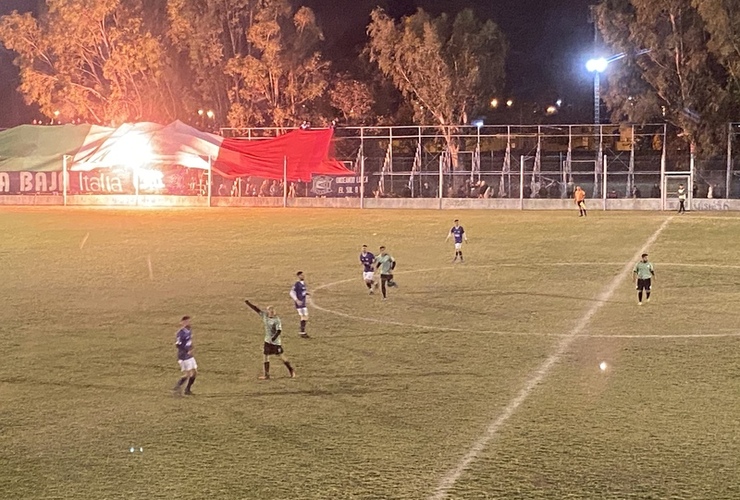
[{"x": 447, "y": 482}]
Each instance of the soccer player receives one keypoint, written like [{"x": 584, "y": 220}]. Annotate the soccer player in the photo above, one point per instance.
[
  {"x": 273, "y": 344},
  {"x": 299, "y": 294},
  {"x": 580, "y": 198},
  {"x": 188, "y": 366},
  {"x": 386, "y": 264},
  {"x": 458, "y": 233},
  {"x": 367, "y": 259},
  {"x": 642, "y": 275},
  {"x": 681, "y": 199}
]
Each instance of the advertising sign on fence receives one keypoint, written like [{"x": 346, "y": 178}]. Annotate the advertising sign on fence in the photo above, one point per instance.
[{"x": 333, "y": 186}]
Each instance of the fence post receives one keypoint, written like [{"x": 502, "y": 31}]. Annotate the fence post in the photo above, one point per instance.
[
  {"x": 64, "y": 179},
  {"x": 604, "y": 184},
  {"x": 362, "y": 180},
  {"x": 285, "y": 181},
  {"x": 521, "y": 182},
  {"x": 210, "y": 179},
  {"x": 663, "y": 154},
  {"x": 728, "y": 179},
  {"x": 136, "y": 186}
]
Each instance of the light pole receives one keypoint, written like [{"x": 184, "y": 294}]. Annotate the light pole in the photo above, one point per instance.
[{"x": 597, "y": 66}]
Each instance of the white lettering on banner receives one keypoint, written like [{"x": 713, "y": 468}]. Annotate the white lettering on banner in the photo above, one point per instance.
[
  {"x": 40, "y": 182},
  {"x": 100, "y": 184},
  {"x": 711, "y": 205},
  {"x": 26, "y": 180},
  {"x": 4, "y": 182}
]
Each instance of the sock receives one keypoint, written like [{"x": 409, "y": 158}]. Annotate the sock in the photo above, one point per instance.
[
  {"x": 303, "y": 326},
  {"x": 461, "y": 258},
  {"x": 369, "y": 285},
  {"x": 287, "y": 365},
  {"x": 191, "y": 381},
  {"x": 382, "y": 287},
  {"x": 267, "y": 368},
  {"x": 181, "y": 381},
  {"x": 639, "y": 296},
  {"x": 647, "y": 295}
]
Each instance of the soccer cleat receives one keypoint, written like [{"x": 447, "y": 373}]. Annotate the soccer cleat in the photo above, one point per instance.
[
  {"x": 648, "y": 299},
  {"x": 371, "y": 292},
  {"x": 188, "y": 393},
  {"x": 305, "y": 336},
  {"x": 292, "y": 374},
  {"x": 264, "y": 377},
  {"x": 639, "y": 303}
]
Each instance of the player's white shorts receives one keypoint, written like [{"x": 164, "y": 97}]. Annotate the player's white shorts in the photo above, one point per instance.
[
  {"x": 368, "y": 276},
  {"x": 458, "y": 246},
  {"x": 302, "y": 311},
  {"x": 187, "y": 364}
]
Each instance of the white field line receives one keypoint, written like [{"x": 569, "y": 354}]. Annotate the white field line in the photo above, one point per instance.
[
  {"x": 729, "y": 333},
  {"x": 84, "y": 240},
  {"x": 149, "y": 264},
  {"x": 449, "y": 479}
]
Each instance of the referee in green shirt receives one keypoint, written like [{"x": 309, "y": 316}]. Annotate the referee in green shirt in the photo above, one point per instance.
[{"x": 642, "y": 275}]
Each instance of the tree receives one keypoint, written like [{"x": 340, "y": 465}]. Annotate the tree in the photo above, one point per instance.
[
  {"x": 722, "y": 22},
  {"x": 668, "y": 71},
  {"x": 281, "y": 80},
  {"x": 448, "y": 68},
  {"x": 352, "y": 98},
  {"x": 90, "y": 60},
  {"x": 205, "y": 35}
]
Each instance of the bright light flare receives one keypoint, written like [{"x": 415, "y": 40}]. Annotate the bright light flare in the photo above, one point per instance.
[
  {"x": 551, "y": 110},
  {"x": 494, "y": 103},
  {"x": 509, "y": 103},
  {"x": 151, "y": 180},
  {"x": 131, "y": 151},
  {"x": 597, "y": 65}
]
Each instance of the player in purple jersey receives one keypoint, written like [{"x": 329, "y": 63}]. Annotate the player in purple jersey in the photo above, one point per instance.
[
  {"x": 458, "y": 233},
  {"x": 188, "y": 366},
  {"x": 367, "y": 259},
  {"x": 299, "y": 294}
]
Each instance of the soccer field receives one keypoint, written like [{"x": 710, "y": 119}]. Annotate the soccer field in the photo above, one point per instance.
[{"x": 472, "y": 381}]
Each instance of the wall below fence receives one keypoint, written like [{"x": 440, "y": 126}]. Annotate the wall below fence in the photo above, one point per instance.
[{"x": 645, "y": 204}]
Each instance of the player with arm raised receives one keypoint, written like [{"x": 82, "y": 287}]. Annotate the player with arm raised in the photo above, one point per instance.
[
  {"x": 273, "y": 345},
  {"x": 458, "y": 233},
  {"x": 299, "y": 294},
  {"x": 367, "y": 259},
  {"x": 643, "y": 274}
]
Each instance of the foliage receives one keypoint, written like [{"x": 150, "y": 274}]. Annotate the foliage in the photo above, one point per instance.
[
  {"x": 668, "y": 70},
  {"x": 90, "y": 60},
  {"x": 282, "y": 77},
  {"x": 352, "y": 98},
  {"x": 448, "y": 68}
]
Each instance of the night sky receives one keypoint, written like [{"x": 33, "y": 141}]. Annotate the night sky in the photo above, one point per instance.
[{"x": 549, "y": 40}]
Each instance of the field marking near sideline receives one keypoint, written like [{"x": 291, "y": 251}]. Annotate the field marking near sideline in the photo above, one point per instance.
[
  {"x": 729, "y": 333},
  {"x": 84, "y": 240},
  {"x": 451, "y": 477}
]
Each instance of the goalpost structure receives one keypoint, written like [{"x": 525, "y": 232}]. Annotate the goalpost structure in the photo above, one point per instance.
[{"x": 671, "y": 181}]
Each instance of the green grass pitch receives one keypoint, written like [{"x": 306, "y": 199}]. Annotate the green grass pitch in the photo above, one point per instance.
[{"x": 390, "y": 396}]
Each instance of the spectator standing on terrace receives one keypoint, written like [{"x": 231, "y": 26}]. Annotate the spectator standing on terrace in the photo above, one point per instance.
[
  {"x": 265, "y": 188},
  {"x": 655, "y": 191}
]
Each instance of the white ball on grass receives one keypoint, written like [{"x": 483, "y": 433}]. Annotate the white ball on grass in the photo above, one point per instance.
[{"x": 602, "y": 366}]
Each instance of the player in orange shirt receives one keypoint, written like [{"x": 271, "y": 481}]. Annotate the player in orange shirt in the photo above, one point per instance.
[{"x": 580, "y": 197}]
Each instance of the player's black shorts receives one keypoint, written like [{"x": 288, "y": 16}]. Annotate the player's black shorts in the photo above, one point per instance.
[
  {"x": 643, "y": 284},
  {"x": 386, "y": 277},
  {"x": 272, "y": 349}
]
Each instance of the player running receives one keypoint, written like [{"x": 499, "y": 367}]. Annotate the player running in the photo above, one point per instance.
[
  {"x": 299, "y": 294},
  {"x": 580, "y": 198},
  {"x": 273, "y": 343},
  {"x": 386, "y": 264},
  {"x": 642, "y": 275},
  {"x": 188, "y": 366},
  {"x": 458, "y": 233},
  {"x": 367, "y": 259}
]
